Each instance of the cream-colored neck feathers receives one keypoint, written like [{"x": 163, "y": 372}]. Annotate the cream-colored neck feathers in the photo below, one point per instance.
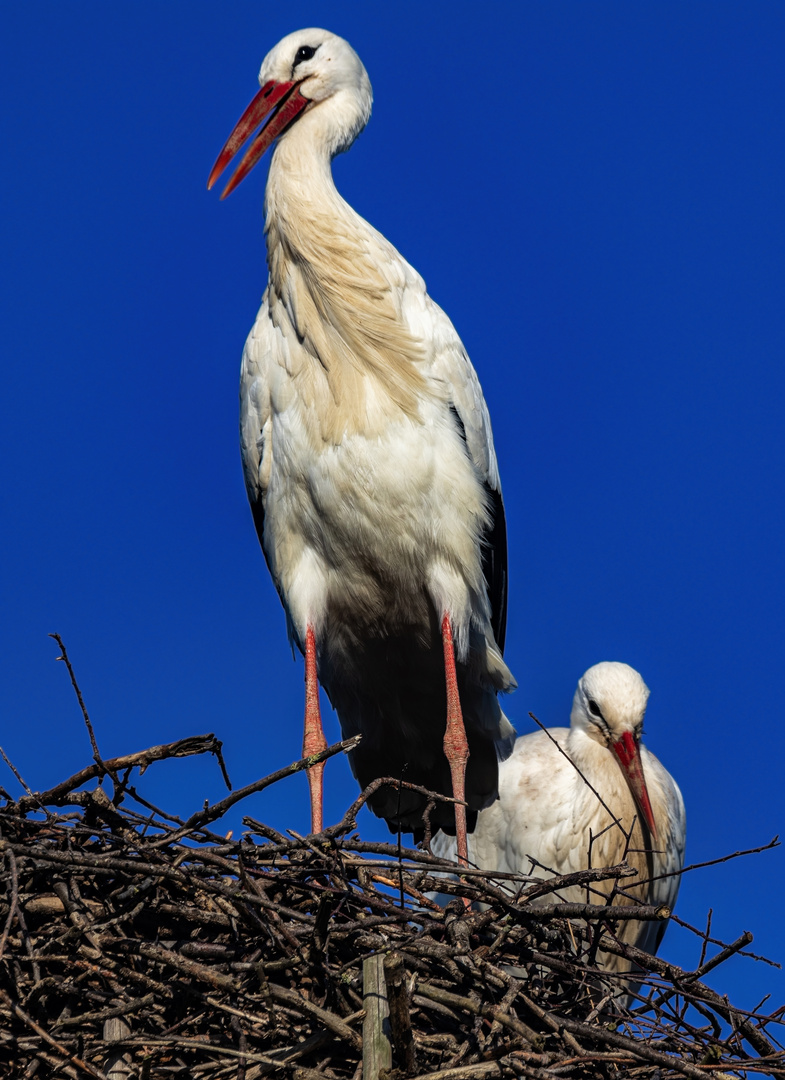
[{"x": 352, "y": 351}]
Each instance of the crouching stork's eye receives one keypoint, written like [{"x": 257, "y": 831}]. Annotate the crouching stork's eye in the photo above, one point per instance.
[{"x": 594, "y": 709}]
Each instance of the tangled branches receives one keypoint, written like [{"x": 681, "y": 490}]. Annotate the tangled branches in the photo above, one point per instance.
[{"x": 137, "y": 946}]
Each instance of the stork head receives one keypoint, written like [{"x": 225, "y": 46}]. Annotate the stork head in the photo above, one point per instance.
[
  {"x": 305, "y": 70},
  {"x": 609, "y": 706}
]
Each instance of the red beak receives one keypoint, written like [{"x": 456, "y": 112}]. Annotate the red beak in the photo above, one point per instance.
[
  {"x": 626, "y": 750},
  {"x": 283, "y": 102}
]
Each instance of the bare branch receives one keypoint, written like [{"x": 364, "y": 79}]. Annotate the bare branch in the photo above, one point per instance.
[{"x": 80, "y": 699}]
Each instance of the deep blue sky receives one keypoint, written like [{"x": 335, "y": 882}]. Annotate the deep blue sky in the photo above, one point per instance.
[{"x": 594, "y": 193}]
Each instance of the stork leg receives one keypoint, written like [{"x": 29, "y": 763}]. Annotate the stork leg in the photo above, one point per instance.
[
  {"x": 313, "y": 739},
  {"x": 456, "y": 748}
]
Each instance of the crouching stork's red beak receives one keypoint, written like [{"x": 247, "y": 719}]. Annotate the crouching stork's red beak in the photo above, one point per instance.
[{"x": 626, "y": 750}]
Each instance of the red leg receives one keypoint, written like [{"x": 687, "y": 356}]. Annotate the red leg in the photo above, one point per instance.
[
  {"x": 313, "y": 739},
  {"x": 456, "y": 747}
]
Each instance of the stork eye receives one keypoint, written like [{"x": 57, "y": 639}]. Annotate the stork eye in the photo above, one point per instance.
[
  {"x": 305, "y": 52},
  {"x": 594, "y": 709}
]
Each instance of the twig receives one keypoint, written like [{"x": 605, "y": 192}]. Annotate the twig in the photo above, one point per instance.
[
  {"x": 722, "y": 944},
  {"x": 64, "y": 657},
  {"x": 14, "y": 884},
  {"x": 591, "y": 788},
  {"x": 197, "y": 744},
  {"x": 35, "y": 801},
  {"x": 217, "y": 810},
  {"x": 773, "y": 843},
  {"x": 722, "y": 956}
]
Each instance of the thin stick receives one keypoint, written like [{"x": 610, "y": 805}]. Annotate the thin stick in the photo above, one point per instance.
[
  {"x": 197, "y": 744},
  {"x": 217, "y": 810},
  {"x": 773, "y": 843},
  {"x": 36, "y": 801},
  {"x": 14, "y": 901},
  {"x": 578, "y": 771},
  {"x": 96, "y": 755}
]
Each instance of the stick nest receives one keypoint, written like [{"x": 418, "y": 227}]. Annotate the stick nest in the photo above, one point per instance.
[{"x": 139, "y": 945}]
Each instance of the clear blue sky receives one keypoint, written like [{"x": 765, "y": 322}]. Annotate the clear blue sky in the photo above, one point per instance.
[{"x": 594, "y": 193}]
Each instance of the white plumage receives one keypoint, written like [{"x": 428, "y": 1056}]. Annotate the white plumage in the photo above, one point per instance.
[
  {"x": 549, "y": 821},
  {"x": 368, "y": 459}
]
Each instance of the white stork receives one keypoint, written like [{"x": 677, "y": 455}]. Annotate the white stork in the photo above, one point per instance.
[
  {"x": 369, "y": 463},
  {"x": 548, "y": 820}
]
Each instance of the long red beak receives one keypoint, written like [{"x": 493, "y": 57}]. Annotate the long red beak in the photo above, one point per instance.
[
  {"x": 285, "y": 102},
  {"x": 626, "y": 750}
]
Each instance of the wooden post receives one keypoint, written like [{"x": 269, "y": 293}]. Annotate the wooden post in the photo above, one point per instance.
[
  {"x": 377, "y": 1052},
  {"x": 400, "y": 1013},
  {"x": 118, "y": 1063}
]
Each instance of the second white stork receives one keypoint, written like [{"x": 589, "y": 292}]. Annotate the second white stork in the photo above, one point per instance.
[
  {"x": 369, "y": 463},
  {"x": 589, "y": 795}
]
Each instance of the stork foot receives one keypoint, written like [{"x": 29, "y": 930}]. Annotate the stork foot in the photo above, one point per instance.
[{"x": 313, "y": 737}]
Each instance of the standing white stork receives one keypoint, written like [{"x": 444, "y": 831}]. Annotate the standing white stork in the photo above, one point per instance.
[
  {"x": 547, "y": 812},
  {"x": 369, "y": 463}
]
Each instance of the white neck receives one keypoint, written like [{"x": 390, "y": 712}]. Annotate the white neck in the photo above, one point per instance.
[{"x": 331, "y": 278}]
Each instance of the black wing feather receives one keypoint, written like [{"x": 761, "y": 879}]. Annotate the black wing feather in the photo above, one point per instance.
[
  {"x": 494, "y": 565},
  {"x": 494, "y": 551}
]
